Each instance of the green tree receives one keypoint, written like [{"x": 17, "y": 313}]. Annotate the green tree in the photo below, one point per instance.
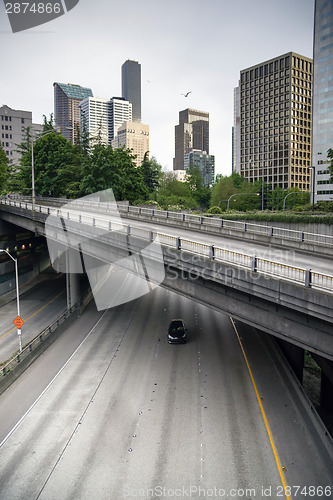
[
  {"x": 108, "y": 168},
  {"x": 233, "y": 184},
  {"x": 4, "y": 163},
  {"x": 151, "y": 172},
  {"x": 200, "y": 192},
  {"x": 175, "y": 193}
]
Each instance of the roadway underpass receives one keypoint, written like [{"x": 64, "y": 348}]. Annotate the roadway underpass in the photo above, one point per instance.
[{"x": 111, "y": 410}]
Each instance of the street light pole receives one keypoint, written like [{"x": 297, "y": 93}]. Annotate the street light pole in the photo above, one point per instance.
[
  {"x": 17, "y": 295},
  {"x": 242, "y": 194},
  {"x": 313, "y": 186}
]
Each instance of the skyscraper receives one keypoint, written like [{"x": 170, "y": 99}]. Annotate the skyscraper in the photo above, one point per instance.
[
  {"x": 131, "y": 86},
  {"x": 67, "y": 98},
  {"x": 204, "y": 162},
  {"x": 275, "y": 121},
  {"x": 191, "y": 133},
  {"x": 134, "y": 136},
  {"x": 322, "y": 112},
  {"x": 95, "y": 119},
  {"x": 120, "y": 111}
]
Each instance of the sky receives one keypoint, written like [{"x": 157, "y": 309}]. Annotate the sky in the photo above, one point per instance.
[{"x": 182, "y": 45}]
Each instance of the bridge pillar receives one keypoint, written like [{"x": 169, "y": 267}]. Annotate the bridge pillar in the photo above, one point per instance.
[
  {"x": 72, "y": 282},
  {"x": 295, "y": 357},
  {"x": 326, "y": 391}
]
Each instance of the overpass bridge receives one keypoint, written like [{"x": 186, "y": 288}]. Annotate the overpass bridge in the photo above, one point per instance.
[{"x": 286, "y": 299}]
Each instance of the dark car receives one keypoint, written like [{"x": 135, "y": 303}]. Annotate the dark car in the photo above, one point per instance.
[{"x": 177, "y": 333}]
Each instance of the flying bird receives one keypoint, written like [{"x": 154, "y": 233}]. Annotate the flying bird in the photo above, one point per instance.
[{"x": 187, "y": 93}]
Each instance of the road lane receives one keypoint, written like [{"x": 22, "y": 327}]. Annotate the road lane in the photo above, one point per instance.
[
  {"x": 38, "y": 308},
  {"x": 131, "y": 412}
]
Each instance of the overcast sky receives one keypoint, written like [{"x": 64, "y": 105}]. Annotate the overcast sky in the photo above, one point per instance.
[{"x": 182, "y": 45}]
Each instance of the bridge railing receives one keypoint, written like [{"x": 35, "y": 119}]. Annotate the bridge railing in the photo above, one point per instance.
[
  {"x": 240, "y": 226},
  {"x": 280, "y": 270}
]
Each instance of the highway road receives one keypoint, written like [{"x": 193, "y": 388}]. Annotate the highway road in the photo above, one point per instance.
[
  {"x": 111, "y": 410},
  {"x": 281, "y": 254},
  {"x": 39, "y": 306}
]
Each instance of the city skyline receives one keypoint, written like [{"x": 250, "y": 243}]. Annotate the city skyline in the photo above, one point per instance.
[{"x": 173, "y": 62}]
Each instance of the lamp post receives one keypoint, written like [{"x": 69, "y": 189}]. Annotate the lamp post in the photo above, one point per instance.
[
  {"x": 242, "y": 194},
  {"x": 293, "y": 192},
  {"x": 221, "y": 202},
  {"x": 17, "y": 295},
  {"x": 33, "y": 195},
  {"x": 313, "y": 185}
]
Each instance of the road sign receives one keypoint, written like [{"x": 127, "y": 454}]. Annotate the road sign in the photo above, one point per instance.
[{"x": 18, "y": 322}]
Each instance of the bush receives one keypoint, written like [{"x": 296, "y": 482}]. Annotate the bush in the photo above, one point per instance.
[{"x": 214, "y": 210}]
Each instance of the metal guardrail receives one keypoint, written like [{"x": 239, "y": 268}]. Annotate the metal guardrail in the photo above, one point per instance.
[
  {"x": 18, "y": 358},
  {"x": 305, "y": 277},
  {"x": 41, "y": 337}
]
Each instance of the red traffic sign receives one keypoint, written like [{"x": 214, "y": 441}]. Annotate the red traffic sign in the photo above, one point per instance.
[{"x": 18, "y": 322}]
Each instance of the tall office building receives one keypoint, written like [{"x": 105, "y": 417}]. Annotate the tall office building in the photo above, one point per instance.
[
  {"x": 236, "y": 132},
  {"x": 134, "y": 136},
  {"x": 67, "y": 98},
  {"x": 131, "y": 86},
  {"x": 275, "y": 121},
  {"x": 204, "y": 162},
  {"x": 322, "y": 111},
  {"x": 191, "y": 133},
  {"x": 95, "y": 119},
  {"x": 120, "y": 111},
  {"x": 14, "y": 127}
]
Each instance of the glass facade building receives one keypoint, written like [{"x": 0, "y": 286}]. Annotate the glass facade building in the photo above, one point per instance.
[
  {"x": 67, "y": 116},
  {"x": 131, "y": 87},
  {"x": 204, "y": 162},
  {"x": 322, "y": 117}
]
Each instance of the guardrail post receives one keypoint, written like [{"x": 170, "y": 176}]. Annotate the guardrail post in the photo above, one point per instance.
[
  {"x": 302, "y": 236},
  {"x": 245, "y": 226},
  {"x": 94, "y": 221},
  {"x": 109, "y": 225},
  {"x": 178, "y": 243},
  {"x": 183, "y": 217},
  {"x": 18, "y": 358},
  {"x": 308, "y": 278},
  {"x": 200, "y": 219},
  {"x": 167, "y": 214},
  {"x": 221, "y": 222},
  {"x": 4, "y": 370},
  {"x": 271, "y": 231},
  {"x": 128, "y": 230},
  {"x": 139, "y": 212},
  {"x": 152, "y": 212},
  {"x": 212, "y": 252},
  {"x": 254, "y": 263}
]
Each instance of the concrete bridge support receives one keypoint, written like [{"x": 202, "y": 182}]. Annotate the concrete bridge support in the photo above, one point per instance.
[
  {"x": 72, "y": 280},
  {"x": 295, "y": 357}
]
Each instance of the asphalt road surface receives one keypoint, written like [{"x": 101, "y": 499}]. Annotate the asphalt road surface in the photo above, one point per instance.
[
  {"x": 112, "y": 411},
  {"x": 39, "y": 306}
]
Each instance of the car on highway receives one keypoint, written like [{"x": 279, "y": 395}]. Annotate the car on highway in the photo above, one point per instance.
[{"x": 177, "y": 332}]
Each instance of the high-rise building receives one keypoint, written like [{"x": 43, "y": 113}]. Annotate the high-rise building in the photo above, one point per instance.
[
  {"x": 204, "y": 162},
  {"x": 191, "y": 133},
  {"x": 275, "y": 121},
  {"x": 236, "y": 132},
  {"x": 120, "y": 111},
  {"x": 14, "y": 128},
  {"x": 135, "y": 136},
  {"x": 95, "y": 119},
  {"x": 67, "y": 98},
  {"x": 322, "y": 111},
  {"x": 131, "y": 86}
]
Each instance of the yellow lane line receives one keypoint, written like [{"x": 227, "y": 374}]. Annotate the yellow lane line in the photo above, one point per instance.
[
  {"x": 277, "y": 460},
  {"x": 32, "y": 315}
]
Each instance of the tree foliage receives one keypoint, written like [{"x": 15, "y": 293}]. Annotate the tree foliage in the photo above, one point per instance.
[{"x": 4, "y": 165}]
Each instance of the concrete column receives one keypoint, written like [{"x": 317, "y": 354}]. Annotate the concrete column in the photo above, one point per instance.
[
  {"x": 326, "y": 393},
  {"x": 295, "y": 357},
  {"x": 72, "y": 281}
]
